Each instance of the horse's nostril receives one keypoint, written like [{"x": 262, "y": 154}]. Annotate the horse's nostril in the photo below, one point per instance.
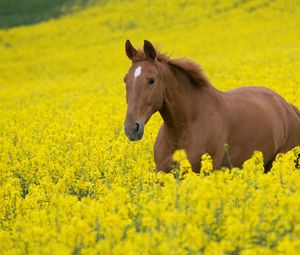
[
  {"x": 134, "y": 130},
  {"x": 137, "y": 127}
]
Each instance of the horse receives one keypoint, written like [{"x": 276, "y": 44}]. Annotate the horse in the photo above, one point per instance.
[{"x": 199, "y": 118}]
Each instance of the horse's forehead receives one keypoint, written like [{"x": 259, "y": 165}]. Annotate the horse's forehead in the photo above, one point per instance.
[
  {"x": 142, "y": 67},
  {"x": 137, "y": 71}
]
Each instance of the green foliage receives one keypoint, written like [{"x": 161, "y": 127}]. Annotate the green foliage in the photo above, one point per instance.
[{"x": 25, "y": 12}]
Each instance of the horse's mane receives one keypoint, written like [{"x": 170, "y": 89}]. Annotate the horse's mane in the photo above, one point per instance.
[{"x": 186, "y": 65}]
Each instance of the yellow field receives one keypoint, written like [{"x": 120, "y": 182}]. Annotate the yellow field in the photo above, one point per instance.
[{"x": 71, "y": 182}]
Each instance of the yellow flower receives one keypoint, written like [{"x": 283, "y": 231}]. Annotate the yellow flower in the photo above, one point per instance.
[{"x": 206, "y": 164}]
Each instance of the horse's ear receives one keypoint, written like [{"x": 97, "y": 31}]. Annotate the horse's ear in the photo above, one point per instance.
[
  {"x": 130, "y": 50},
  {"x": 149, "y": 50}
]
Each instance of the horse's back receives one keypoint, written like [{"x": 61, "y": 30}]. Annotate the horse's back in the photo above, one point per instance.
[
  {"x": 263, "y": 120},
  {"x": 282, "y": 111}
]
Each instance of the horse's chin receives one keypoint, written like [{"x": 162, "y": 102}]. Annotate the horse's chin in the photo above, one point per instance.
[{"x": 135, "y": 137}]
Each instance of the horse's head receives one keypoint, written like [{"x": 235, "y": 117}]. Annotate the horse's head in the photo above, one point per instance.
[{"x": 144, "y": 89}]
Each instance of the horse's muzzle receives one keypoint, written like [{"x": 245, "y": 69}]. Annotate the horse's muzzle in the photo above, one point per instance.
[{"x": 134, "y": 131}]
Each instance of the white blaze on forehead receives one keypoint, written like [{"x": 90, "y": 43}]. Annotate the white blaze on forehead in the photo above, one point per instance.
[{"x": 137, "y": 71}]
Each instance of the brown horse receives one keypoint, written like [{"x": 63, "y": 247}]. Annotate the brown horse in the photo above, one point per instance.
[{"x": 201, "y": 119}]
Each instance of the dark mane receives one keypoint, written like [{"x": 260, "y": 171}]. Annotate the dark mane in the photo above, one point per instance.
[
  {"x": 189, "y": 67},
  {"x": 191, "y": 70}
]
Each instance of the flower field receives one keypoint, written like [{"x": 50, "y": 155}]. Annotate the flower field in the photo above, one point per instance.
[{"x": 72, "y": 183}]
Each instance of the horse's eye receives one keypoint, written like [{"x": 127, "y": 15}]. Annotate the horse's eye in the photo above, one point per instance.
[{"x": 151, "y": 81}]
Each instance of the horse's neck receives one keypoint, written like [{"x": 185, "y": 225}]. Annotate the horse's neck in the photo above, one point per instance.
[{"x": 183, "y": 102}]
